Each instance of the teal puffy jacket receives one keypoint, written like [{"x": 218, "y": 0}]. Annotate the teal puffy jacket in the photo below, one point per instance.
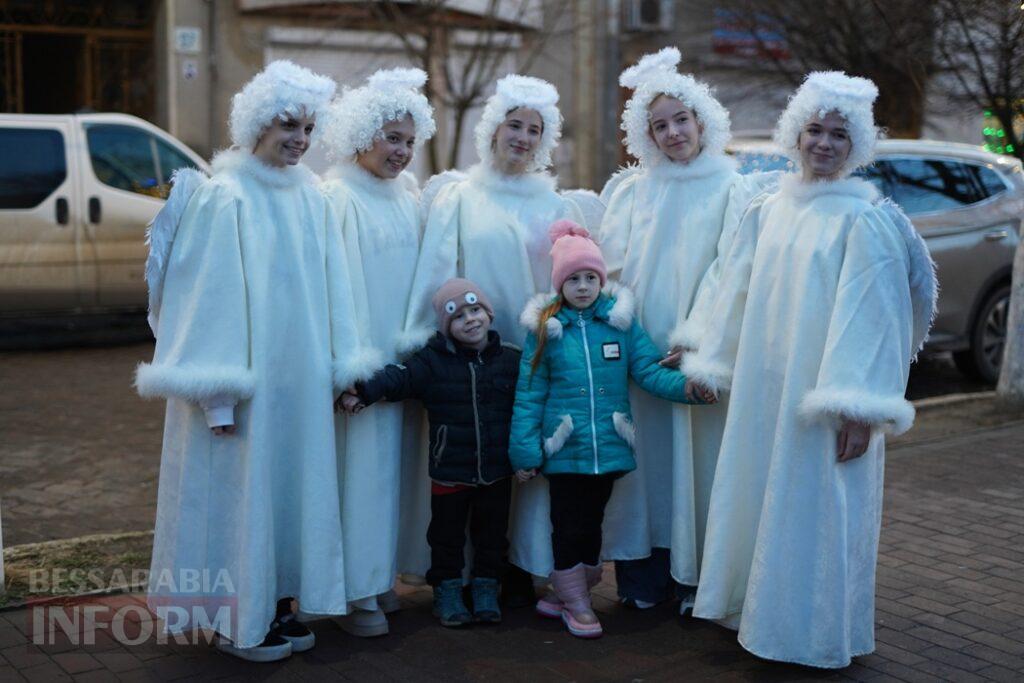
[{"x": 572, "y": 414}]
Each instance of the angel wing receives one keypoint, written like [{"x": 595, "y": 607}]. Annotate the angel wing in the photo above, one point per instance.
[
  {"x": 160, "y": 235},
  {"x": 433, "y": 186},
  {"x": 590, "y": 205},
  {"x": 924, "y": 285},
  {"x": 609, "y": 187}
]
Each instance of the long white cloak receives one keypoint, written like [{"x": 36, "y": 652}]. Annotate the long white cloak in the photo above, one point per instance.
[
  {"x": 379, "y": 222},
  {"x": 815, "y": 315},
  {"x": 664, "y": 228},
  {"x": 493, "y": 230},
  {"x": 256, "y": 308}
]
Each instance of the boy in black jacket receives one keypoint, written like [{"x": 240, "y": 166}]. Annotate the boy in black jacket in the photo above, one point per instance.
[{"x": 466, "y": 378}]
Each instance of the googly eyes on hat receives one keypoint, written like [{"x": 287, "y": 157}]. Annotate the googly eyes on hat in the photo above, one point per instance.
[
  {"x": 470, "y": 297},
  {"x": 450, "y": 307}
]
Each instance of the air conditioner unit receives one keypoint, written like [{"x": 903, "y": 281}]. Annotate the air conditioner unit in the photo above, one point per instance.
[{"x": 641, "y": 16}]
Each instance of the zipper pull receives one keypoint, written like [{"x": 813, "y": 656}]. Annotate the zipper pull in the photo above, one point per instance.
[{"x": 580, "y": 322}]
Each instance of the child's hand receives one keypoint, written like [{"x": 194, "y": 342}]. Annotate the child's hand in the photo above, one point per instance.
[
  {"x": 351, "y": 403},
  {"x": 222, "y": 431},
  {"x": 524, "y": 476},
  {"x": 674, "y": 357},
  {"x": 697, "y": 392}
]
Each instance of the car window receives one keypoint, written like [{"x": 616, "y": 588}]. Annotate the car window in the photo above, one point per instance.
[
  {"x": 31, "y": 174},
  {"x": 124, "y": 157},
  {"x": 170, "y": 160},
  {"x": 876, "y": 175},
  {"x": 924, "y": 185},
  {"x": 989, "y": 181},
  {"x": 753, "y": 162}
]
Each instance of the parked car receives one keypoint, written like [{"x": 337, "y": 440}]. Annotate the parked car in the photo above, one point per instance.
[
  {"x": 968, "y": 205},
  {"x": 76, "y": 193}
]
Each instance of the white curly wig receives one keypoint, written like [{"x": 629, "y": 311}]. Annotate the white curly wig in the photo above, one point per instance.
[
  {"x": 656, "y": 75},
  {"x": 355, "y": 119},
  {"x": 514, "y": 91},
  {"x": 832, "y": 91},
  {"x": 282, "y": 88}
]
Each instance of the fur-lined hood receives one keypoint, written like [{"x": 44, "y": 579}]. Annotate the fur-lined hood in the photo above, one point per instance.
[{"x": 616, "y": 305}]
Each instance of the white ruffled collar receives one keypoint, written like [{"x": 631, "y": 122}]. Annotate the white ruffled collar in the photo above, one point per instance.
[
  {"x": 793, "y": 185},
  {"x": 525, "y": 185},
  {"x": 706, "y": 164},
  {"x": 359, "y": 178},
  {"x": 236, "y": 159}
]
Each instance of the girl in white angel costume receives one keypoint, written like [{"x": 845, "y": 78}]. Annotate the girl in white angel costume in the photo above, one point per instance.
[
  {"x": 826, "y": 295},
  {"x": 251, "y": 306},
  {"x": 373, "y": 132},
  {"x": 667, "y": 221},
  {"x": 490, "y": 226}
]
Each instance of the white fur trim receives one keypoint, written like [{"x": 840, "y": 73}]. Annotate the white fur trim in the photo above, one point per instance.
[
  {"x": 705, "y": 165},
  {"x": 686, "y": 334},
  {"x": 160, "y": 234},
  {"x": 361, "y": 180},
  {"x": 194, "y": 383},
  {"x": 556, "y": 441},
  {"x": 714, "y": 376},
  {"x": 281, "y": 88},
  {"x": 239, "y": 160},
  {"x": 410, "y": 341},
  {"x": 624, "y": 308},
  {"x": 624, "y": 428},
  {"x": 656, "y": 75},
  {"x": 793, "y": 185},
  {"x": 530, "y": 317},
  {"x": 624, "y": 172},
  {"x": 355, "y": 119},
  {"x": 358, "y": 366},
  {"x": 827, "y": 91},
  {"x": 892, "y": 414},
  {"x": 525, "y": 185},
  {"x": 511, "y": 92}
]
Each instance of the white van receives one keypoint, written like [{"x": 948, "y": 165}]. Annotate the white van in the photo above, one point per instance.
[{"x": 76, "y": 193}]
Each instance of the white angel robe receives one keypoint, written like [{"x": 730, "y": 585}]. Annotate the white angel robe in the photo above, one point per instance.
[
  {"x": 663, "y": 229},
  {"x": 493, "y": 230},
  {"x": 379, "y": 221},
  {"x": 814, "y": 322},
  {"x": 257, "y": 311}
]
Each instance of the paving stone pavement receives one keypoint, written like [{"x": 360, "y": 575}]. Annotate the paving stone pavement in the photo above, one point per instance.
[{"x": 950, "y": 607}]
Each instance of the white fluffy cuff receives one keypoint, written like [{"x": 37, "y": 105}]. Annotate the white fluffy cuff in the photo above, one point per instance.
[
  {"x": 892, "y": 414},
  {"x": 358, "y": 366},
  {"x": 413, "y": 340},
  {"x": 714, "y": 376},
  {"x": 686, "y": 334},
  {"x": 194, "y": 383}
]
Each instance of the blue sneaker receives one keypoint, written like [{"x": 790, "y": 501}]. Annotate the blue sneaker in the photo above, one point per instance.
[
  {"x": 448, "y": 604},
  {"x": 485, "y": 600}
]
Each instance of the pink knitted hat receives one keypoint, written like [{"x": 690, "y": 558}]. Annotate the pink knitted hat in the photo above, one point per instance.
[
  {"x": 572, "y": 250},
  {"x": 455, "y": 294}
]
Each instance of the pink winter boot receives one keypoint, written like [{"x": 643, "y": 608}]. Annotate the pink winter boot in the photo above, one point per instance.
[
  {"x": 551, "y": 607},
  {"x": 571, "y": 588}
]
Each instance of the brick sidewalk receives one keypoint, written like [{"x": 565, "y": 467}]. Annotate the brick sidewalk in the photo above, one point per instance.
[{"x": 950, "y": 607}]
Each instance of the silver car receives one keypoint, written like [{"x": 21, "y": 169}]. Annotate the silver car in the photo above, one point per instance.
[{"x": 967, "y": 203}]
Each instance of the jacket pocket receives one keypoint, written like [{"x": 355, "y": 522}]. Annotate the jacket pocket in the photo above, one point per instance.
[
  {"x": 556, "y": 441},
  {"x": 440, "y": 443},
  {"x": 624, "y": 427}
]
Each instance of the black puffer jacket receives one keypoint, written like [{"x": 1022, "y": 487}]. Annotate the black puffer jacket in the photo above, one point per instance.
[{"x": 468, "y": 396}]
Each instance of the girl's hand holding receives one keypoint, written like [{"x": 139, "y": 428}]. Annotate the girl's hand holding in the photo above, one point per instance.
[
  {"x": 351, "y": 403},
  {"x": 853, "y": 440},
  {"x": 696, "y": 391},
  {"x": 221, "y": 431},
  {"x": 524, "y": 476},
  {"x": 674, "y": 357}
]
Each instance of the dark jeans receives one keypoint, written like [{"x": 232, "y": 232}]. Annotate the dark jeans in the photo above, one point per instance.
[
  {"x": 577, "y": 511},
  {"x": 649, "y": 579},
  {"x": 486, "y": 509}
]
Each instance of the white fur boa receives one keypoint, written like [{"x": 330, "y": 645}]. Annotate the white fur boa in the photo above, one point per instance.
[
  {"x": 235, "y": 159},
  {"x": 793, "y": 185},
  {"x": 526, "y": 185}
]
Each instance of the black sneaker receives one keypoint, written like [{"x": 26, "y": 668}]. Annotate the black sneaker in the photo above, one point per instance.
[
  {"x": 294, "y": 632},
  {"x": 273, "y": 648}
]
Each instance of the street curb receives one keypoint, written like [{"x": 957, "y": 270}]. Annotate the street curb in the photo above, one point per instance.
[{"x": 952, "y": 399}]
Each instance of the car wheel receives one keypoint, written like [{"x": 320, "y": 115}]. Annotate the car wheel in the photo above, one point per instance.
[{"x": 988, "y": 338}]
